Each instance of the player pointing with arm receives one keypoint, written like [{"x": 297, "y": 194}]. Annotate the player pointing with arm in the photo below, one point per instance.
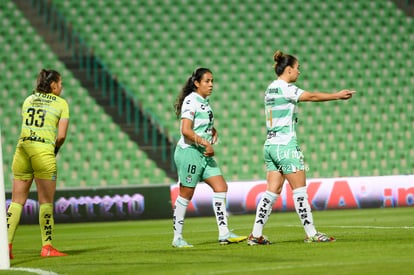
[
  {"x": 282, "y": 154},
  {"x": 45, "y": 120}
]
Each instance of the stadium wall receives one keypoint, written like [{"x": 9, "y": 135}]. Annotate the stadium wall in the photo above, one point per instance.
[
  {"x": 103, "y": 204},
  {"x": 324, "y": 194},
  {"x": 154, "y": 202}
]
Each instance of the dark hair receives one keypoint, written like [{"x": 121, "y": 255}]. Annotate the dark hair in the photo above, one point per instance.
[
  {"x": 188, "y": 88},
  {"x": 282, "y": 61},
  {"x": 45, "y": 78}
]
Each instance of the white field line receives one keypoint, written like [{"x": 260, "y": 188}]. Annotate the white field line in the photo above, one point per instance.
[
  {"x": 360, "y": 226},
  {"x": 34, "y": 270},
  {"x": 299, "y": 226}
]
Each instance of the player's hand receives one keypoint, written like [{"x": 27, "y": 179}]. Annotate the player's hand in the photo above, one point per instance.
[
  {"x": 345, "y": 94},
  {"x": 209, "y": 152}
]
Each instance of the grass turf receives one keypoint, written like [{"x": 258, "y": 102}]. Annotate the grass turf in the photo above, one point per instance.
[{"x": 369, "y": 241}]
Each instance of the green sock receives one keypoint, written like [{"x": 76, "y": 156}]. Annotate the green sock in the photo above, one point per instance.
[
  {"x": 13, "y": 218},
  {"x": 46, "y": 223}
]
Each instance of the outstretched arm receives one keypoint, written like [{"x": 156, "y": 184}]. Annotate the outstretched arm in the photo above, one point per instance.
[{"x": 319, "y": 96}]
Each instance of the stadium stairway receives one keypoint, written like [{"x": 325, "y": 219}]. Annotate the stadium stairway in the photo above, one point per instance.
[
  {"x": 405, "y": 5},
  {"x": 93, "y": 136},
  {"x": 150, "y": 142}
]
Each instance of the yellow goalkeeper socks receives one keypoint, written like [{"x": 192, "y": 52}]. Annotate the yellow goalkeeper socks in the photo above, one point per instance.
[
  {"x": 13, "y": 218},
  {"x": 46, "y": 223}
]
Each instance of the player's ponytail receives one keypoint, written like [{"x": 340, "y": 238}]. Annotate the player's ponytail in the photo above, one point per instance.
[
  {"x": 282, "y": 61},
  {"x": 45, "y": 79}
]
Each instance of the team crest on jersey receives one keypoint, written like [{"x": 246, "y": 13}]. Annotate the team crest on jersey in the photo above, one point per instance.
[{"x": 189, "y": 179}]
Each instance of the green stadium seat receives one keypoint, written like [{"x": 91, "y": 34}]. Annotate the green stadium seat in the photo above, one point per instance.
[
  {"x": 91, "y": 131},
  {"x": 152, "y": 48}
]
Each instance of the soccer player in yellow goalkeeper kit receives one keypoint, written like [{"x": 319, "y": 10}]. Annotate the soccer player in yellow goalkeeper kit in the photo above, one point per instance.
[
  {"x": 282, "y": 154},
  {"x": 45, "y": 120}
]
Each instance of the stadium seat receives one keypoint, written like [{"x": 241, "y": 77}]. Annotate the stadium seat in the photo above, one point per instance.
[
  {"x": 153, "y": 48},
  {"x": 83, "y": 160}
]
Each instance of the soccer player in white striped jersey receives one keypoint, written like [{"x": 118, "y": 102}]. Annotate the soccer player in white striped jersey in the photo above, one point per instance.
[
  {"x": 194, "y": 156},
  {"x": 282, "y": 154}
]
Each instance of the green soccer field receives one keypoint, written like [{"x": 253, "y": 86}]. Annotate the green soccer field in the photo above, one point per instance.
[{"x": 369, "y": 241}]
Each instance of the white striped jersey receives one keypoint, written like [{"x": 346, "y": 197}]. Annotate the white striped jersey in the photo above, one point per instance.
[
  {"x": 280, "y": 101},
  {"x": 197, "y": 109}
]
